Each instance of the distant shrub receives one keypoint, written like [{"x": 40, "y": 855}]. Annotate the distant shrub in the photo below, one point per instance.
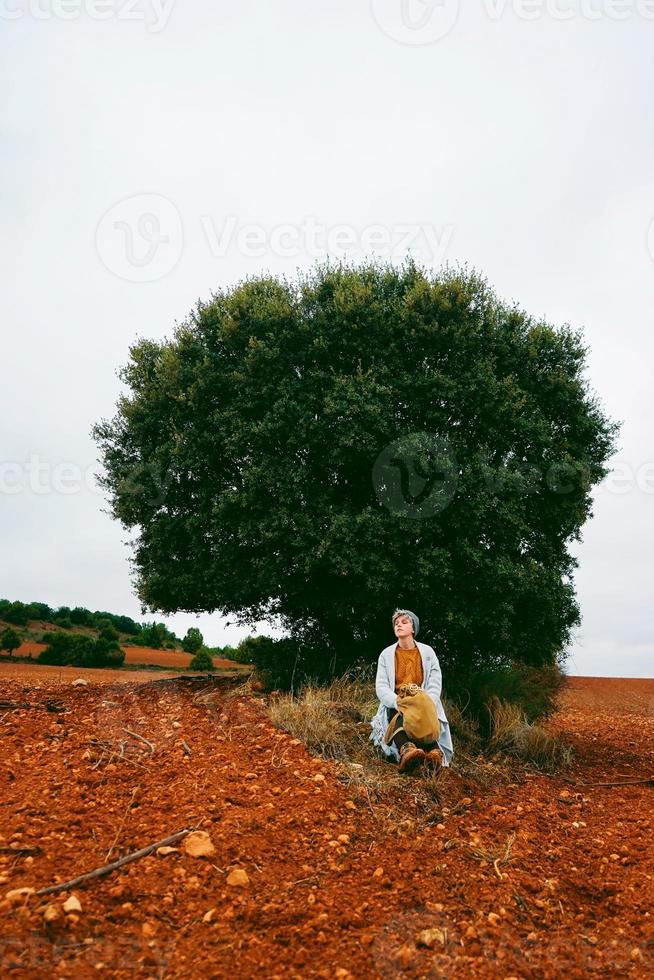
[
  {"x": 80, "y": 616},
  {"x": 16, "y": 613},
  {"x": 109, "y": 633},
  {"x": 245, "y": 652},
  {"x": 193, "y": 641},
  {"x": 10, "y": 640},
  {"x": 72, "y": 649},
  {"x": 533, "y": 689},
  {"x": 154, "y": 635},
  {"x": 39, "y": 610},
  {"x": 202, "y": 661},
  {"x": 286, "y": 664}
]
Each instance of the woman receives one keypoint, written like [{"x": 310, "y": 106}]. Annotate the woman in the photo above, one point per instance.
[{"x": 400, "y": 664}]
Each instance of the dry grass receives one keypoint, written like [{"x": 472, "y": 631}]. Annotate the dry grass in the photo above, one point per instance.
[
  {"x": 325, "y": 719},
  {"x": 334, "y": 722},
  {"x": 512, "y": 733}
]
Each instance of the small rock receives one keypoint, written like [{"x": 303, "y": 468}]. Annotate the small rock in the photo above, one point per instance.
[
  {"x": 72, "y": 904},
  {"x": 404, "y": 956},
  {"x": 238, "y": 878},
  {"x": 208, "y": 916},
  {"x": 52, "y": 913},
  {"x": 471, "y": 932},
  {"x": 344, "y": 838},
  {"x": 148, "y": 929},
  {"x": 350, "y": 805},
  {"x": 163, "y": 851},
  {"x": 494, "y": 919},
  {"x": 378, "y": 872},
  {"x": 319, "y": 778},
  {"x": 429, "y": 937},
  {"x": 79, "y": 682},
  {"x": 635, "y": 954},
  {"x": 199, "y": 844},
  {"x": 16, "y": 895},
  {"x": 532, "y": 937}
]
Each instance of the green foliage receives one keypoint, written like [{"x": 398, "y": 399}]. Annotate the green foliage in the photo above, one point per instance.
[
  {"x": 154, "y": 635},
  {"x": 202, "y": 660},
  {"x": 10, "y": 640},
  {"x": 109, "y": 633},
  {"x": 193, "y": 640},
  {"x": 288, "y": 664},
  {"x": 245, "y": 651},
  {"x": 16, "y": 613},
  {"x": 39, "y": 610},
  {"x": 81, "y": 651},
  {"x": 534, "y": 689},
  {"x": 79, "y": 616},
  {"x": 247, "y": 454}
]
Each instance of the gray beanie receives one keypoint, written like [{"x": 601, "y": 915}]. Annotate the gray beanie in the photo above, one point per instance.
[{"x": 412, "y": 616}]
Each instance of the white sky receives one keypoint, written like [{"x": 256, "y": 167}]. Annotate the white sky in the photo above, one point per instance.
[{"x": 515, "y": 136}]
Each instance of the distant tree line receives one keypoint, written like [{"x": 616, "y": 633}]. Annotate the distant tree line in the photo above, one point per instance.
[
  {"x": 81, "y": 650},
  {"x": 156, "y": 635}
]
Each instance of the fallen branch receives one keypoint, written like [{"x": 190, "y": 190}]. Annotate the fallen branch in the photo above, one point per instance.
[{"x": 108, "y": 868}]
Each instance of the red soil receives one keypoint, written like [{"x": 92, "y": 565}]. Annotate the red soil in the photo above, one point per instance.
[
  {"x": 337, "y": 887},
  {"x": 36, "y": 674},
  {"x": 138, "y": 655}
]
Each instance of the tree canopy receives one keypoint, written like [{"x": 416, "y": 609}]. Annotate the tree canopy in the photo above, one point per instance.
[{"x": 320, "y": 451}]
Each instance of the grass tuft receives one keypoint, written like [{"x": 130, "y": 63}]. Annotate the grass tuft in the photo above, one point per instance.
[{"x": 512, "y": 733}]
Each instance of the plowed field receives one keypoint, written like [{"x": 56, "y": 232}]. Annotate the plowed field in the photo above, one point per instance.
[
  {"x": 136, "y": 655},
  {"x": 542, "y": 876}
]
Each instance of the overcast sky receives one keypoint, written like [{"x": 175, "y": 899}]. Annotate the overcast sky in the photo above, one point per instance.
[{"x": 154, "y": 151}]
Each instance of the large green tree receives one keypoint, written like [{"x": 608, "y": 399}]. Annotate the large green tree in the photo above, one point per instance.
[{"x": 323, "y": 450}]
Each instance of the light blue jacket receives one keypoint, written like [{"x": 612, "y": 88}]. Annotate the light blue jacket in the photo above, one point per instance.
[{"x": 432, "y": 682}]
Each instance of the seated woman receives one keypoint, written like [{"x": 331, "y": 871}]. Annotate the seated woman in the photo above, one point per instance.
[{"x": 401, "y": 664}]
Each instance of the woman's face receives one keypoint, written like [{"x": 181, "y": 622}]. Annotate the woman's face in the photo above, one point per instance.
[{"x": 403, "y": 627}]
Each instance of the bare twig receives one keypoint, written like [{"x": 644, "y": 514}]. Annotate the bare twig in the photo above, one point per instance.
[
  {"x": 144, "y": 740},
  {"x": 122, "y": 822},
  {"x": 108, "y": 868}
]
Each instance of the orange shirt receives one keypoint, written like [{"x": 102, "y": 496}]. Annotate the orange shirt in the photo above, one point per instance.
[{"x": 408, "y": 667}]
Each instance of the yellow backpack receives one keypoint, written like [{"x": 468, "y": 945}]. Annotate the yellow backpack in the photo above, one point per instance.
[{"x": 421, "y": 722}]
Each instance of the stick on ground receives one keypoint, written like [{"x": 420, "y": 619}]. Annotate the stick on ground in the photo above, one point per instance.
[{"x": 108, "y": 868}]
